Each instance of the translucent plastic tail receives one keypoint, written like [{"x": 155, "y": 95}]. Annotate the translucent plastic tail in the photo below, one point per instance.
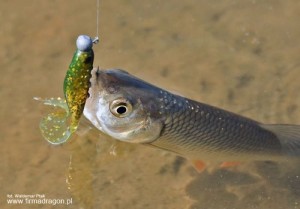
[{"x": 55, "y": 126}]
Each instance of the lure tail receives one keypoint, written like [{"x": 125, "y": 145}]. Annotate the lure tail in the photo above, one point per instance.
[{"x": 55, "y": 126}]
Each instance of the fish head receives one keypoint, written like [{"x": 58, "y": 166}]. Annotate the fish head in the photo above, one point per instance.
[{"x": 124, "y": 107}]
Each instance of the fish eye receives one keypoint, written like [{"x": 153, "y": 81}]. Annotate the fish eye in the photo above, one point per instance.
[{"x": 120, "y": 107}]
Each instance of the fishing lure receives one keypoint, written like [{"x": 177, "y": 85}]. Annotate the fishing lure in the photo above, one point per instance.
[
  {"x": 58, "y": 126},
  {"x": 76, "y": 83}
]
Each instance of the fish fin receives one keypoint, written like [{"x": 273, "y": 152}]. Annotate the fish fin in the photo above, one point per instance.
[
  {"x": 199, "y": 165},
  {"x": 229, "y": 164},
  {"x": 288, "y": 135}
]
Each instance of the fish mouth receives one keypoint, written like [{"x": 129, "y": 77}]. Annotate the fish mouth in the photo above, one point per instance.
[
  {"x": 102, "y": 82},
  {"x": 91, "y": 106}
]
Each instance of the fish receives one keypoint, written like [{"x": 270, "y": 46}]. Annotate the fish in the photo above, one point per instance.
[
  {"x": 58, "y": 126},
  {"x": 132, "y": 110}
]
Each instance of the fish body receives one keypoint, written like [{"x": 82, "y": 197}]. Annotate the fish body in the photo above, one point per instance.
[
  {"x": 76, "y": 82},
  {"x": 132, "y": 110}
]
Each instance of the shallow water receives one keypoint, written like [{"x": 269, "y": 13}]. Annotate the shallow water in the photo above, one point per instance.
[{"x": 242, "y": 56}]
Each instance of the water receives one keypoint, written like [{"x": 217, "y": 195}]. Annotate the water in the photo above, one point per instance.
[{"x": 242, "y": 56}]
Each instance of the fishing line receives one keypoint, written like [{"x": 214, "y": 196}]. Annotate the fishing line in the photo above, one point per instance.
[{"x": 96, "y": 39}]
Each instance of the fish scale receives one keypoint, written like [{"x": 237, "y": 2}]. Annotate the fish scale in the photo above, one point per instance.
[{"x": 189, "y": 128}]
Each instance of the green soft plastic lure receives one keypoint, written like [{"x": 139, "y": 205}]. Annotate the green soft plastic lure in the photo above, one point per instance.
[
  {"x": 76, "y": 83},
  {"x": 58, "y": 126}
]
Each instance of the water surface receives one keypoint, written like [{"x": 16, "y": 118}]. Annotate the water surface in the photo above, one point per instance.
[{"x": 242, "y": 56}]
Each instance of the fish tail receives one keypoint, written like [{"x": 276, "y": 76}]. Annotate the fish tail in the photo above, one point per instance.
[{"x": 288, "y": 135}]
